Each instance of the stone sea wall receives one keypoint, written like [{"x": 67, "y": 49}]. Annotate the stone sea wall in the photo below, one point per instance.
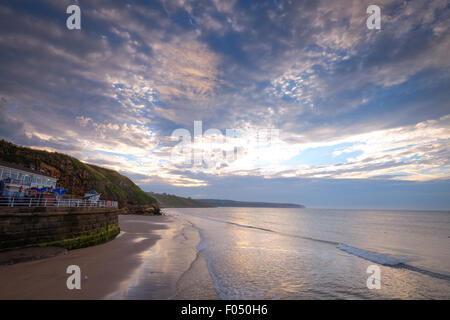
[{"x": 69, "y": 228}]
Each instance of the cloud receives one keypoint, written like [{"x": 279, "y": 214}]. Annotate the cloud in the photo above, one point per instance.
[{"x": 113, "y": 92}]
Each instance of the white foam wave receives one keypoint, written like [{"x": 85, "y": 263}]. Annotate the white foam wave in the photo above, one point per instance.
[{"x": 380, "y": 258}]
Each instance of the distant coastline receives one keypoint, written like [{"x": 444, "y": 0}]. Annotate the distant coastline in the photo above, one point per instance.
[
  {"x": 249, "y": 204},
  {"x": 172, "y": 201}
]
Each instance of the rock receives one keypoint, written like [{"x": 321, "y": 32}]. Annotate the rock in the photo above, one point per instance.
[{"x": 152, "y": 210}]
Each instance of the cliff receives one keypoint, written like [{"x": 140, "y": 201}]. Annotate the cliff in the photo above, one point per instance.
[
  {"x": 79, "y": 177},
  {"x": 172, "y": 201}
]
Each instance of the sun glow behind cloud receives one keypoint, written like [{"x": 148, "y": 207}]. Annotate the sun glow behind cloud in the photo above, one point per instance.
[{"x": 417, "y": 152}]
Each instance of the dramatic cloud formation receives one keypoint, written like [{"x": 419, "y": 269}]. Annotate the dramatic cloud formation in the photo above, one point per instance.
[{"x": 304, "y": 88}]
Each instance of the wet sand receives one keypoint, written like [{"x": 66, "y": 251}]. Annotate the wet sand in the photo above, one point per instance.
[{"x": 153, "y": 257}]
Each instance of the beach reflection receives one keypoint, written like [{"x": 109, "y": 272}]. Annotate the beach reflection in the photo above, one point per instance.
[{"x": 163, "y": 266}]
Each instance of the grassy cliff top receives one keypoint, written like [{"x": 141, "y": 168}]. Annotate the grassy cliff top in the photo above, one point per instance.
[
  {"x": 76, "y": 176},
  {"x": 172, "y": 201}
]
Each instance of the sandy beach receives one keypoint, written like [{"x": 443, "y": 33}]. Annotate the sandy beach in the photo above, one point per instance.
[{"x": 154, "y": 257}]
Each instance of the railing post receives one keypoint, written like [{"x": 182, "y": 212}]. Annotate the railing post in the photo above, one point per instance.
[
  {"x": 12, "y": 202},
  {"x": 29, "y": 205},
  {"x": 45, "y": 205}
]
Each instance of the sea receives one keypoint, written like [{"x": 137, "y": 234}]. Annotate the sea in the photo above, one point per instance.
[{"x": 273, "y": 253}]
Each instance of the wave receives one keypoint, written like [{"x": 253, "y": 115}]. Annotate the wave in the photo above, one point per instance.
[
  {"x": 376, "y": 257},
  {"x": 235, "y": 224},
  {"x": 267, "y": 230},
  {"x": 380, "y": 258},
  {"x": 389, "y": 260}
]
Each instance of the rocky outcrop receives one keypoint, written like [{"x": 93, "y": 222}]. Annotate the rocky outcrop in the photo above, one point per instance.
[{"x": 151, "y": 210}]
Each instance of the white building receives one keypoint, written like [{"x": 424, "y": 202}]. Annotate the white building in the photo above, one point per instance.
[{"x": 16, "y": 178}]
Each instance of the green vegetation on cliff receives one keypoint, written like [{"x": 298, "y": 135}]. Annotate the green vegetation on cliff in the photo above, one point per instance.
[
  {"x": 76, "y": 176},
  {"x": 171, "y": 201}
]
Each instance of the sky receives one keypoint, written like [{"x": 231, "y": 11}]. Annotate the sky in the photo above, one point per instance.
[{"x": 279, "y": 101}]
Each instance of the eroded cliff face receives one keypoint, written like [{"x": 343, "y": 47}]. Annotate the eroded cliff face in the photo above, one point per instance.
[
  {"x": 77, "y": 180},
  {"x": 78, "y": 177}
]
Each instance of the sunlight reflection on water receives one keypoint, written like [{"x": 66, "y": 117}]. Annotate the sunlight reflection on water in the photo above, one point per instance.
[{"x": 292, "y": 253}]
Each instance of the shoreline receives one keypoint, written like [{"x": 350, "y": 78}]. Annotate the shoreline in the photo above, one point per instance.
[{"x": 154, "y": 257}]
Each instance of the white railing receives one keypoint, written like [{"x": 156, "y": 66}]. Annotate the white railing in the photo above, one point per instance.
[{"x": 53, "y": 202}]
